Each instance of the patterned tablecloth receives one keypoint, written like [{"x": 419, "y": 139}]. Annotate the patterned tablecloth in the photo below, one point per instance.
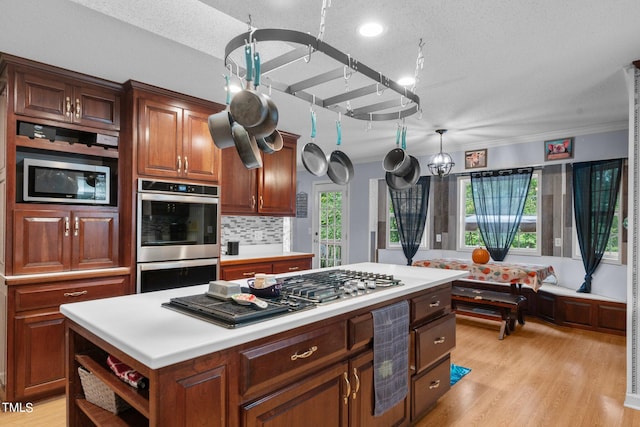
[{"x": 516, "y": 274}]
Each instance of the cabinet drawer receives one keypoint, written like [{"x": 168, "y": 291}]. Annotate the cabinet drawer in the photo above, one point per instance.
[
  {"x": 275, "y": 362},
  {"x": 40, "y": 296},
  {"x": 245, "y": 271},
  {"x": 434, "y": 340},
  {"x": 427, "y": 388},
  {"x": 424, "y": 306},
  {"x": 290, "y": 266}
]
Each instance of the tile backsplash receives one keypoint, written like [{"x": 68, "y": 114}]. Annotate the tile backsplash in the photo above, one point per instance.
[{"x": 252, "y": 230}]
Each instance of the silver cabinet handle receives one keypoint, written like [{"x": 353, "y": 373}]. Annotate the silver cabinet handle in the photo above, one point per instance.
[
  {"x": 306, "y": 354},
  {"x": 66, "y": 226},
  {"x": 179, "y": 164},
  {"x": 76, "y": 226},
  {"x": 435, "y": 304},
  {"x": 78, "y": 108},
  {"x": 186, "y": 165},
  {"x": 440, "y": 340},
  {"x": 434, "y": 384}
]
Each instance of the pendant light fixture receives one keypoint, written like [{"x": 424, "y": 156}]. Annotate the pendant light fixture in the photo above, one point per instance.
[{"x": 442, "y": 163}]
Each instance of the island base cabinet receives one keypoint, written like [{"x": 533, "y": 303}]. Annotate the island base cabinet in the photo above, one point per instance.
[
  {"x": 428, "y": 387},
  {"x": 362, "y": 405},
  {"x": 322, "y": 397}
]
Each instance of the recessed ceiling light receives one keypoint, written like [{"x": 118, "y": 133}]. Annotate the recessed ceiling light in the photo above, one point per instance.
[
  {"x": 370, "y": 29},
  {"x": 406, "y": 81}
]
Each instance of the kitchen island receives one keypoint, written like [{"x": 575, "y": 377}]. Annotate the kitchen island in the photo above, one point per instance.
[{"x": 289, "y": 370}]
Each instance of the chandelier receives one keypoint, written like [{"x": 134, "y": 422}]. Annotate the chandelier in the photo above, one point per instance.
[{"x": 442, "y": 163}]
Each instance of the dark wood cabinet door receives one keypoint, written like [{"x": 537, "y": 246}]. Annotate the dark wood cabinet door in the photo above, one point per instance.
[
  {"x": 41, "y": 95},
  {"x": 201, "y": 156},
  {"x": 363, "y": 399},
  {"x": 49, "y": 96},
  {"x": 159, "y": 139},
  {"x": 238, "y": 193},
  {"x": 41, "y": 241},
  {"x": 277, "y": 181},
  {"x": 96, "y": 107},
  {"x": 317, "y": 398},
  {"x": 39, "y": 354},
  {"x": 95, "y": 240}
]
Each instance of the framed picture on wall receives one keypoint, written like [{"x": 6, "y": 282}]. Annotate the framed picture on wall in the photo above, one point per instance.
[
  {"x": 558, "y": 149},
  {"x": 475, "y": 159}
]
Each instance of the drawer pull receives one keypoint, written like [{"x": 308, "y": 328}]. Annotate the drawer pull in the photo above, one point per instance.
[
  {"x": 439, "y": 340},
  {"x": 294, "y": 268},
  {"x": 346, "y": 396},
  {"x": 75, "y": 294},
  {"x": 251, "y": 273},
  {"x": 434, "y": 384},
  {"x": 435, "y": 304},
  {"x": 355, "y": 375},
  {"x": 306, "y": 354}
]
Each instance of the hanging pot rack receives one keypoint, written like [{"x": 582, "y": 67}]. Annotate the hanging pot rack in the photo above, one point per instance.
[{"x": 392, "y": 109}]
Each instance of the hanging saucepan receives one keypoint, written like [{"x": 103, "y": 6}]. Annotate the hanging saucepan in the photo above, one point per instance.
[
  {"x": 407, "y": 181},
  {"x": 340, "y": 168},
  {"x": 397, "y": 161},
  {"x": 252, "y": 109},
  {"x": 269, "y": 123},
  {"x": 313, "y": 158},
  {"x": 246, "y": 146},
  {"x": 220, "y": 124},
  {"x": 271, "y": 143}
]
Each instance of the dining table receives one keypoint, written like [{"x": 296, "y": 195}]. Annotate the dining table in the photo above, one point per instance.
[{"x": 516, "y": 274}]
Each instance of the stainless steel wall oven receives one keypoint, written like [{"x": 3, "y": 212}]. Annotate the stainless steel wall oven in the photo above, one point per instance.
[{"x": 178, "y": 232}]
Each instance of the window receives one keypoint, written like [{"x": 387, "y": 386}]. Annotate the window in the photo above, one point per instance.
[
  {"x": 613, "y": 253},
  {"x": 528, "y": 235},
  {"x": 393, "y": 234}
]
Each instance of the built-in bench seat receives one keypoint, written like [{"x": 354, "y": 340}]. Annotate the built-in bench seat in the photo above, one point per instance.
[{"x": 492, "y": 305}]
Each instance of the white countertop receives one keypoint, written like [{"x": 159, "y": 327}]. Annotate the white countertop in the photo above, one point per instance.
[{"x": 157, "y": 337}]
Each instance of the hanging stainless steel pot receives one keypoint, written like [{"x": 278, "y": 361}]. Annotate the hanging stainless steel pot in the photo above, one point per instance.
[
  {"x": 407, "y": 181},
  {"x": 340, "y": 168},
  {"x": 397, "y": 161},
  {"x": 313, "y": 158},
  {"x": 271, "y": 143},
  {"x": 268, "y": 124},
  {"x": 247, "y": 147},
  {"x": 220, "y": 129}
]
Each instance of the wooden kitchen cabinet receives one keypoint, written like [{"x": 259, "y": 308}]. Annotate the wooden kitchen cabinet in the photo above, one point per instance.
[
  {"x": 173, "y": 139},
  {"x": 57, "y": 97},
  {"x": 35, "y": 356},
  {"x": 61, "y": 239},
  {"x": 247, "y": 268},
  {"x": 270, "y": 190}
]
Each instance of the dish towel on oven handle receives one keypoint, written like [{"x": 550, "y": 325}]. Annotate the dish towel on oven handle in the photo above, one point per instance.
[{"x": 390, "y": 355}]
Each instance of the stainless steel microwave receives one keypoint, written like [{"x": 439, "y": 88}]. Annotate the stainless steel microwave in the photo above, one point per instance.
[{"x": 64, "y": 182}]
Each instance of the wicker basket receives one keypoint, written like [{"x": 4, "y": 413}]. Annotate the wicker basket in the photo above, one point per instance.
[{"x": 97, "y": 392}]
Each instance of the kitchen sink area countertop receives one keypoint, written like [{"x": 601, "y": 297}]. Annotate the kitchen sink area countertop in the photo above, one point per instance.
[
  {"x": 157, "y": 337},
  {"x": 262, "y": 255}
]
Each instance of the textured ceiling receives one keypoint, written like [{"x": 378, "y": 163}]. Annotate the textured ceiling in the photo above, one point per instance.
[{"x": 495, "y": 72}]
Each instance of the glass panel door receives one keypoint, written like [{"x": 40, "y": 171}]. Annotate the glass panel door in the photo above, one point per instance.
[{"x": 330, "y": 236}]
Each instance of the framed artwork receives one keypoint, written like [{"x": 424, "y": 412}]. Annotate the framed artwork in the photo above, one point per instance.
[
  {"x": 558, "y": 149},
  {"x": 475, "y": 159}
]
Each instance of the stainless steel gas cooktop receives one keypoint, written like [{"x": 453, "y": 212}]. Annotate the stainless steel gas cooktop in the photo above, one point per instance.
[{"x": 300, "y": 292}]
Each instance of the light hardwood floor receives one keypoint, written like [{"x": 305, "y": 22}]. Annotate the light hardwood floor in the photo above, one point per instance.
[{"x": 541, "y": 375}]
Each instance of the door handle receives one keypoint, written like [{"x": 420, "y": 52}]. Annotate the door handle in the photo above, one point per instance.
[
  {"x": 78, "y": 108},
  {"x": 179, "y": 164},
  {"x": 67, "y": 107},
  {"x": 186, "y": 165},
  {"x": 346, "y": 380},
  {"x": 357, "y": 378},
  {"x": 76, "y": 226},
  {"x": 66, "y": 226}
]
